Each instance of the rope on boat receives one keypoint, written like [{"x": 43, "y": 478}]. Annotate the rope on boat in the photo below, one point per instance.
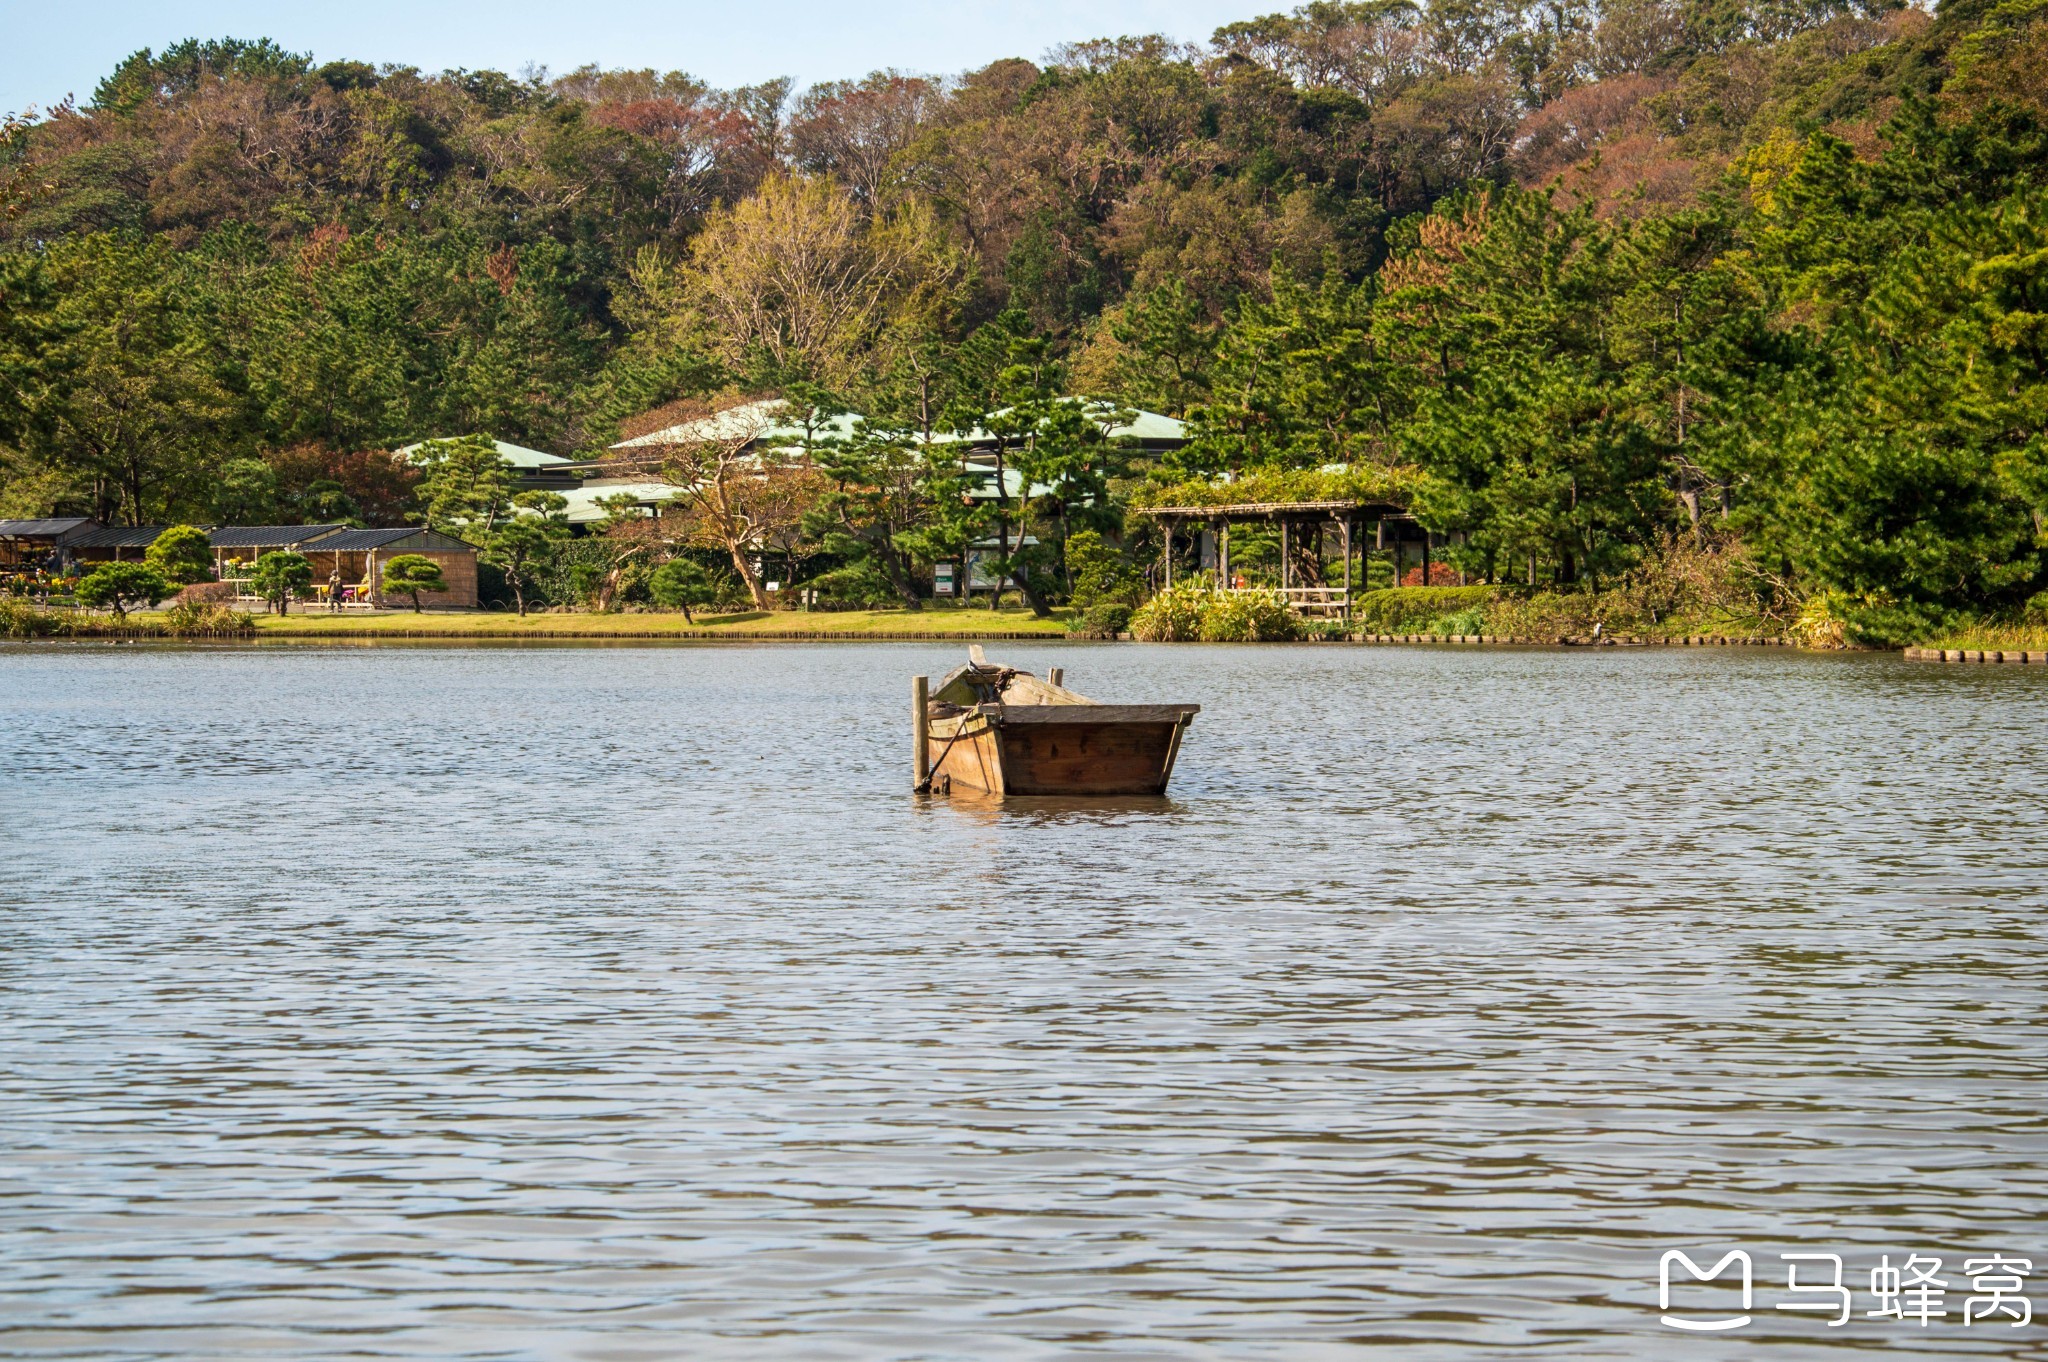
[
  {"x": 932, "y": 771},
  {"x": 988, "y": 684}
]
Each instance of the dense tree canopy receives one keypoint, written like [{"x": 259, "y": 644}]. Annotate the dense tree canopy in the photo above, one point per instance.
[{"x": 1586, "y": 273}]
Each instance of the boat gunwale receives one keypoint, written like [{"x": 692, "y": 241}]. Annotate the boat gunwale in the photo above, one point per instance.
[{"x": 1091, "y": 715}]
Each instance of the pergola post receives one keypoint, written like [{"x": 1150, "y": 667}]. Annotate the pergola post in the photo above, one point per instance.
[
  {"x": 1286, "y": 567},
  {"x": 1166, "y": 523},
  {"x": 1346, "y": 524},
  {"x": 1223, "y": 551},
  {"x": 1425, "y": 558}
]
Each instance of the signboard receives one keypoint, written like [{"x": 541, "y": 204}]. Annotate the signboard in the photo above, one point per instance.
[
  {"x": 981, "y": 560},
  {"x": 942, "y": 579},
  {"x": 981, "y": 576}
]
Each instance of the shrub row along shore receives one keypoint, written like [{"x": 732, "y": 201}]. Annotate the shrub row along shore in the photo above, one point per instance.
[{"x": 18, "y": 621}]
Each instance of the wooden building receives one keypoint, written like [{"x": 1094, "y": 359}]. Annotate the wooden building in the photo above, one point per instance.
[
  {"x": 361, "y": 555},
  {"x": 1302, "y": 526},
  {"x": 26, "y": 545},
  {"x": 77, "y": 545},
  {"x": 244, "y": 544}
]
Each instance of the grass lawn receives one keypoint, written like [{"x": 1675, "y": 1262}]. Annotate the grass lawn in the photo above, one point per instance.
[
  {"x": 939, "y": 622},
  {"x": 2016, "y": 636}
]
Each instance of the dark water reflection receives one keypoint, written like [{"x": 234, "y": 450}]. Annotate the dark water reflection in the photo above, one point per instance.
[{"x": 622, "y": 1003}]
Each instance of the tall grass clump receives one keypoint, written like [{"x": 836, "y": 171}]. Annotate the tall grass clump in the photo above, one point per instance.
[
  {"x": 1172, "y": 616},
  {"x": 1198, "y": 611},
  {"x": 1250, "y": 617},
  {"x": 19, "y": 620},
  {"x": 189, "y": 619}
]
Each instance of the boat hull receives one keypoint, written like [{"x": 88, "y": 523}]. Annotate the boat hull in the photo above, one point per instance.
[{"x": 1094, "y": 750}]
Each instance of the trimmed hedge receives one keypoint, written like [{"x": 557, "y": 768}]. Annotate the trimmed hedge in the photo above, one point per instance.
[
  {"x": 1187, "y": 613},
  {"x": 1409, "y": 609},
  {"x": 1105, "y": 619}
]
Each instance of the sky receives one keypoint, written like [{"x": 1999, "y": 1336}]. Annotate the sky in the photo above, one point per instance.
[{"x": 50, "y": 50}]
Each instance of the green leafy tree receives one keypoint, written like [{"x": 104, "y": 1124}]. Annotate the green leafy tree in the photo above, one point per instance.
[
  {"x": 878, "y": 497},
  {"x": 277, "y": 575},
  {"x": 1520, "y": 415},
  {"x": 119, "y": 586},
  {"x": 1299, "y": 381},
  {"x": 1065, "y": 459},
  {"x": 681, "y": 583},
  {"x": 1169, "y": 346},
  {"x": 523, "y": 547},
  {"x": 465, "y": 485},
  {"x": 182, "y": 554},
  {"x": 324, "y": 501},
  {"x": 1008, "y": 390},
  {"x": 1100, "y": 573},
  {"x": 408, "y": 574},
  {"x": 28, "y": 336},
  {"x": 245, "y": 493},
  {"x": 1901, "y": 465},
  {"x": 142, "y": 397}
]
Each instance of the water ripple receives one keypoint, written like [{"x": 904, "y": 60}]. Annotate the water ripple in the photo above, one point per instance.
[{"x": 621, "y": 1003}]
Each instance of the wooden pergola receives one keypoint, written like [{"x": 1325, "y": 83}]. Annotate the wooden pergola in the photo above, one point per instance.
[{"x": 1390, "y": 523}]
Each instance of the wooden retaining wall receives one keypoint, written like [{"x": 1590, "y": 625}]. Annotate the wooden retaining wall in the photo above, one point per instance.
[
  {"x": 2035, "y": 655},
  {"x": 1580, "y": 641}
]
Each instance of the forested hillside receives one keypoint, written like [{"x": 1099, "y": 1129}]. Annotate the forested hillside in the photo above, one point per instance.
[{"x": 1770, "y": 274}]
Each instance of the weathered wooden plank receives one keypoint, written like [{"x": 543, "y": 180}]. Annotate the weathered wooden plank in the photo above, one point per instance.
[
  {"x": 921, "y": 730},
  {"x": 973, "y": 760},
  {"x": 1095, "y": 715},
  {"x": 1087, "y": 759}
]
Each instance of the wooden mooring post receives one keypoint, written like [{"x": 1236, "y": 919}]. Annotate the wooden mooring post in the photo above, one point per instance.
[
  {"x": 921, "y": 730},
  {"x": 1056, "y": 675}
]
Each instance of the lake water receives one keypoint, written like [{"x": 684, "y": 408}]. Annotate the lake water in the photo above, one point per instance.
[{"x": 621, "y": 1003}]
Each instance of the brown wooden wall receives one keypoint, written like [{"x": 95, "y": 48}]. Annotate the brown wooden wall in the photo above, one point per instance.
[{"x": 457, "y": 565}]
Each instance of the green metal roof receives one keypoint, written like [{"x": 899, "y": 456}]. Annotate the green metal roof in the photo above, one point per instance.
[
  {"x": 583, "y": 508},
  {"x": 759, "y": 422},
  {"x": 519, "y": 456},
  {"x": 1145, "y": 426},
  {"x": 762, "y": 423}
]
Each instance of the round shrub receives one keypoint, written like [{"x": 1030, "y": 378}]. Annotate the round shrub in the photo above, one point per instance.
[
  {"x": 121, "y": 586},
  {"x": 182, "y": 554},
  {"x": 207, "y": 593},
  {"x": 1105, "y": 620}
]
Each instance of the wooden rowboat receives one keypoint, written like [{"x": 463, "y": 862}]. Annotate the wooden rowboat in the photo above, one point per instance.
[{"x": 1004, "y": 731}]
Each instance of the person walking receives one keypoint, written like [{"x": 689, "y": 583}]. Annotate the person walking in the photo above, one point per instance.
[{"x": 334, "y": 590}]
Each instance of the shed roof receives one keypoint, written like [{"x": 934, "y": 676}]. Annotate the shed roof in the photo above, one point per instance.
[
  {"x": 116, "y": 537},
  {"x": 409, "y": 538},
  {"x": 42, "y": 529},
  {"x": 267, "y": 536},
  {"x": 519, "y": 456}
]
